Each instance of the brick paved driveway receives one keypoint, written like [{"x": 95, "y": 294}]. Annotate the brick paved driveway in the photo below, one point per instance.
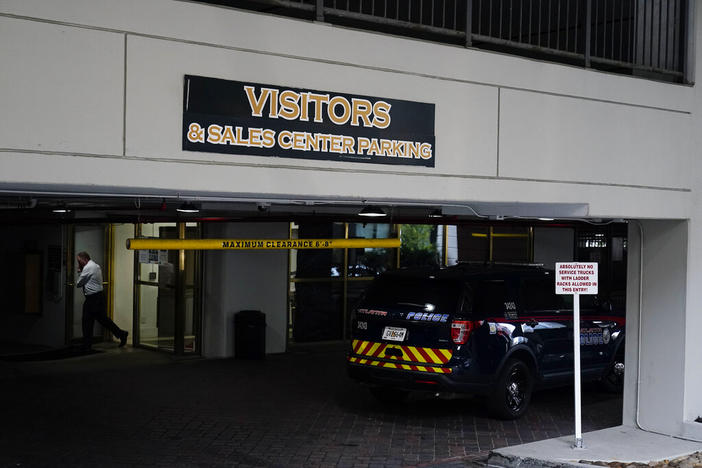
[{"x": 138, "y": 408}]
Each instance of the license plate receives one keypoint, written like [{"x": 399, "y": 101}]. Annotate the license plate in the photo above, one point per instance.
[{"x": 394, "y": 333}]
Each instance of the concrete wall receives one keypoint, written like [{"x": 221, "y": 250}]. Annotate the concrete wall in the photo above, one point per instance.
[
  {"x": 692, "y": 408},
  {"x": 553, "y": 245},
  {"x": 245, "y": 280},
  {"x": 63, "y": 84},
  {"x": 692, "y": 370},
  {"x": 655, "y": 365},
  {"x": 98, "y": 85},
  {"x": 633, "y": 304}
]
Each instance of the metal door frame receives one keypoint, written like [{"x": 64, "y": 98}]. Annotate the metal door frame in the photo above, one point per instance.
[
  {"x": 107, "y": 270},
  {"x": 180, "y": 289}
]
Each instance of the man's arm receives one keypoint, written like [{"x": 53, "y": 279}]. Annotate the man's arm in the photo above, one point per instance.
[{"x": 85, "y": 275}]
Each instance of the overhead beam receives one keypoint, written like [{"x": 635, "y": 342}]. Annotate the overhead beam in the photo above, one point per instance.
[{"x": 259, "y": 244}]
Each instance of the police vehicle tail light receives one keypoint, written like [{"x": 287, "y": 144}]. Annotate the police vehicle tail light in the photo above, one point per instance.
[{"x": 460, "y": 331}]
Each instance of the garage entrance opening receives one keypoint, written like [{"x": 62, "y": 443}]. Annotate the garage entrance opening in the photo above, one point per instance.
[{"x": 325, "y": 285}]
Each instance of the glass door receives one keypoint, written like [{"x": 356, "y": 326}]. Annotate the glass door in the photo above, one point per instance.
[
  {"x": 168, "y": 291},
  {"x": 325, "y": 284}
]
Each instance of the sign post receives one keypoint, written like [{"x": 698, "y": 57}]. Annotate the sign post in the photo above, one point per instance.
[{"x": 576, "y": 279}]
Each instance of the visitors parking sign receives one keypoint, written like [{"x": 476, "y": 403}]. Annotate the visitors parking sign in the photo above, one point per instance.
[
  {"x": 245, "y": 118},
  {"x": 576, "y": 278}
]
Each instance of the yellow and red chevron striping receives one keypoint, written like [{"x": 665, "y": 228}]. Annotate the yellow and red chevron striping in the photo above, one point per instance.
[
  {"x": 399, "y": 365},
  {"x": 409, "y": 353}
]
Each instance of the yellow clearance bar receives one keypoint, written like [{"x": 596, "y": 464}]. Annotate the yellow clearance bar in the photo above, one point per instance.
[{"x": 258, "y": 244}]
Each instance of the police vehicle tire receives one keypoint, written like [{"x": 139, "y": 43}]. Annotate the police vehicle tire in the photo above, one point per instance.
[
  {"x": 512, "y": 393},
  {"x": 388, "y": 395},
  {"x": 612, "y": 381}
]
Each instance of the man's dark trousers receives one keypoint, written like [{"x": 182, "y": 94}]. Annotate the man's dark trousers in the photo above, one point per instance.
[{"x": 94, "y": 308}]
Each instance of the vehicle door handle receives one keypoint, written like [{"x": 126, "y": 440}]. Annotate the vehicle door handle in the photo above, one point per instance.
[{"x": 532, "y": 323}]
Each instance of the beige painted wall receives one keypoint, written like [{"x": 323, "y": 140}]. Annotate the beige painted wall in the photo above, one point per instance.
[{"x": 96, "y": 91}]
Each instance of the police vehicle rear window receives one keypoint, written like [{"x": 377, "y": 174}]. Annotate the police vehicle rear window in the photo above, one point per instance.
[
  {"x": 490, "y": 297},
  {"x": 414, "y": 292}
]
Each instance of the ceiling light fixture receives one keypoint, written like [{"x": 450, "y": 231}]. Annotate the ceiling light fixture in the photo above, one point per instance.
[
  {"x": 436, "y": 214},
  {"x": 187, "y": 207},
  {"x": 372, "y": 212},
  {"x": 61, "y": 210}
]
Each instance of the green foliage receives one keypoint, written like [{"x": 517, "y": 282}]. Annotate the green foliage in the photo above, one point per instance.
[
  {"x": 418, "y": 245},
  {"x": 373, "y": 261}
]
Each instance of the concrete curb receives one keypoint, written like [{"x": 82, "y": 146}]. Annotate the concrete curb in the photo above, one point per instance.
[{"x": 498, "y": 460}]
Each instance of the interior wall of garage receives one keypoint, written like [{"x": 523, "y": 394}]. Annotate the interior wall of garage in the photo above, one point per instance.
[
  {"x": 244, "y": 280},
  {"x": 692, "y": 326},
  {"x": 49, "y": 327},
  {"x": 553, "y": 244},
  {"x": 656, "y": 312}
]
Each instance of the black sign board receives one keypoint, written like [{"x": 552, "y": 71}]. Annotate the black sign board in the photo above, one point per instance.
[{"x": 234, "y": 117}]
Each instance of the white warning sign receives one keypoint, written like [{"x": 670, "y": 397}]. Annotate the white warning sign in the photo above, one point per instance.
[{"x": 576, "y": 278}]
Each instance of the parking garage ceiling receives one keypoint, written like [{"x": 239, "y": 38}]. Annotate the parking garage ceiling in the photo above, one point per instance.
[{"x": 23, "y": 207}]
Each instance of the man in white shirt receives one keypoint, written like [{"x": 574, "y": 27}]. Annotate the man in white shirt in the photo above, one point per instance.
[{"x": 94, "y": 307}]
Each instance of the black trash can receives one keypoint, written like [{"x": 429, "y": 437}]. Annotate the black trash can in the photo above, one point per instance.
[{"x": 249, "y": 334}]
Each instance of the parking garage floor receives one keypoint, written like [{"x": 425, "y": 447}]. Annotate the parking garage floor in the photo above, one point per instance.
[{"x": 130, "y": 407}]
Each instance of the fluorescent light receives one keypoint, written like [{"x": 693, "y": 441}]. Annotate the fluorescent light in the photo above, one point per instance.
[
  {"x": 372, "y": 212},
  {"x": 187, "y": 207}
]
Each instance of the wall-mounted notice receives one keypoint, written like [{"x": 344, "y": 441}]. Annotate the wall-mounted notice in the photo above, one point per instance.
[
  {"x": 576, "y": 278},
  {"x": 153, "y": 256},
  {"x": 235, "y": 117}
]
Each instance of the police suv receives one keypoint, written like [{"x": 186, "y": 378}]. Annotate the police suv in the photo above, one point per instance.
[{"x": 498, "y": 331}]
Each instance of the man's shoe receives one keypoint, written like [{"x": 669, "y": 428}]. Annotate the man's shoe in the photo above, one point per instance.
[{"x": 123, "y": 339}]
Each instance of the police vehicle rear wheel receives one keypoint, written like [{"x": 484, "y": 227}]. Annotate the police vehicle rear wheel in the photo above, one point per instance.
[
  {"x": 613, "y": 379},
  {"x": 513, "y": 391},
  {"x": 389, "y": 396}
]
